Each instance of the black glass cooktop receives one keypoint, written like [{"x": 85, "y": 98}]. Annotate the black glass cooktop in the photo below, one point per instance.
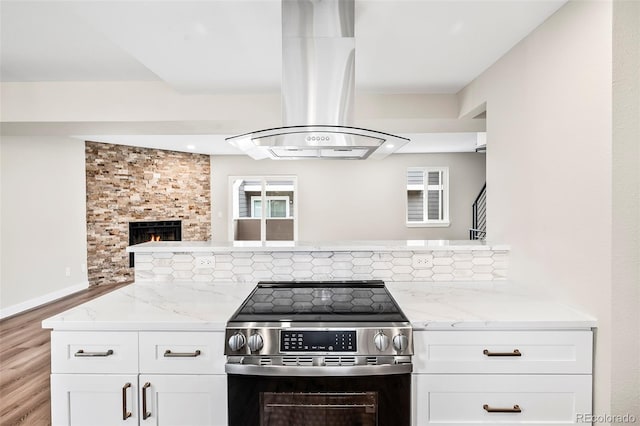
[{"x": 323, "y": 301}]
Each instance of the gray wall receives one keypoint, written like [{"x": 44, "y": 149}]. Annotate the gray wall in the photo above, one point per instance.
[
  {"x": 549, "y": 139},
  {"x": 626, "y": 208},
  {"x": 355, "y": 200},
  {"x": 44, "y": 236}
]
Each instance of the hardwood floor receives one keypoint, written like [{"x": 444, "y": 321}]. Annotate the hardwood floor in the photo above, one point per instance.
[{"x": 25, "y": 362}]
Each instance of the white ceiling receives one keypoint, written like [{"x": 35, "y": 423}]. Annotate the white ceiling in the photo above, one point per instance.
[{"x": 234, "y": 46}]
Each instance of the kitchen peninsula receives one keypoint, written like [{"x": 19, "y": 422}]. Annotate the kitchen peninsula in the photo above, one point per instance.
[{"x": 153, "y": 352}]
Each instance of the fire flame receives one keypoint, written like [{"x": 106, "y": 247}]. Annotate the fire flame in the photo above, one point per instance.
[{"x": 154, "y": 237}]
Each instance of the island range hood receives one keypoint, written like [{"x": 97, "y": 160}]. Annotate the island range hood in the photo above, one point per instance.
[{"x": 318, "y": 68}]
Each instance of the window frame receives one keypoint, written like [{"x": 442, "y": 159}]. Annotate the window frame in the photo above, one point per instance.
[
  {"x": 444, "y": 187},
  {"x": 269, "y": 198},
  {"x": 263, "y": 179}
]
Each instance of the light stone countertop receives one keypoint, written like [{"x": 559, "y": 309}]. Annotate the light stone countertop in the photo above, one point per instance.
[
  {"x": 164, "y": 306},
  {"x": 310, "y": 246},
  {"x": 205, "y": 306},
  {"x": 482, "y": 306}
]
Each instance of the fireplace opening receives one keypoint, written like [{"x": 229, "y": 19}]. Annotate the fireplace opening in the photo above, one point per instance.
[{"x": 160, "y": 230}]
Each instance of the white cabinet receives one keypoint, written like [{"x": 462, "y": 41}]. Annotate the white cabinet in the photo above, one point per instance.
[
  {"x": 178, "y": 400},
  {"x": 501, "y": 377},
  {"x": 448, "y": 399},
  {"x": 502, "y": 352},
  {"x": 178, "y": 377},
  {"x": 182, "y": 352},
  {"x": 94, "y": 399},
  {"x": 182, "y": 379},
  {"x": 88, "y": 352}
]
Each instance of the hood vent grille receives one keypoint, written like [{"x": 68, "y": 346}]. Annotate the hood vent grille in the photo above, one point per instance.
[{"x": 318, "y": 69}]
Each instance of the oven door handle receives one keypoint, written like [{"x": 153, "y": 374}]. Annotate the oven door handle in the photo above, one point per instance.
[{"x": 309, "y": 371}]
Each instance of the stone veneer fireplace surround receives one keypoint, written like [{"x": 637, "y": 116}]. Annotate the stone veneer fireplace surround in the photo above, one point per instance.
[{"x": 130, "y": 184}]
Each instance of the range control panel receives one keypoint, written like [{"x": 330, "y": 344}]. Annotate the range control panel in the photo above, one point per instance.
[{"x": 312, "y": 341}]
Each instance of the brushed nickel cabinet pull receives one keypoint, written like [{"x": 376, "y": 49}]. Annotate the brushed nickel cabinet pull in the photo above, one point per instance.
[
  {"x": 515, "y": 352},
  {"x": 82, "y": 353},
  {"x": 145, "y": 413},
  {"x": 125, "y": 414},
  {"x": 516, "y": 409},
  {"x": 169, "y": 354}
]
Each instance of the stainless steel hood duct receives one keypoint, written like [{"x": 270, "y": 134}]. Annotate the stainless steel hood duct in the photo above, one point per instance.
[{"x": 318, "y": 68}]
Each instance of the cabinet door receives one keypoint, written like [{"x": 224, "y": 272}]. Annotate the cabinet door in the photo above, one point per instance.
[
  {"x": 178, "y": 400},
  {"x": 94, "y": 399},
  {"x": 460, "y": 400}
]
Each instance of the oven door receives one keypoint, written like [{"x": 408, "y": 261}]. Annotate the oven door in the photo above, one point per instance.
[
  {"x": 294, "y": 401},
  {"x": 323, "y": 408}
]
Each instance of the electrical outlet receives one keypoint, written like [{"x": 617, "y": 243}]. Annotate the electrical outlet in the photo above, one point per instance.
[
  {"x": 422, "y": 261},
  {"x": 67, "y": 271},
  {"x": 203, "y": 262}
]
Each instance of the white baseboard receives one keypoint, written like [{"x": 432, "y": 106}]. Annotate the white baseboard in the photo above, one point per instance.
[{"x": 41, "y": 300}]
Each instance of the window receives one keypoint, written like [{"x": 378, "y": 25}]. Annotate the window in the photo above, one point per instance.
[
  {"x": 263, "y": 208},
  {"x": 428, "y": 196},
  {"x": 276, "y": 206}
]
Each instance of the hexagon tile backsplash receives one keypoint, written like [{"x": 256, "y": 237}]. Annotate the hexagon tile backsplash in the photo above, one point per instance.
[{"x": 247, "y": 266}]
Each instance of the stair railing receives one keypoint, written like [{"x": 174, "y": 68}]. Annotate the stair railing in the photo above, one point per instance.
[{"x": 478, "y": 230}]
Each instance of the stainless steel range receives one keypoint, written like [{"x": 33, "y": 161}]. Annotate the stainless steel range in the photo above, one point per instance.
[{"x": 319, "y": 351}]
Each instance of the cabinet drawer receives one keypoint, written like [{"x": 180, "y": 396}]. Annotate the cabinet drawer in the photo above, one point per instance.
[
  {"x": 519, "y": 352},
  {"x": 461, "y": 399},
  {"x": 94, "y": 352},
  {"x": 182, "y": 352}
]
